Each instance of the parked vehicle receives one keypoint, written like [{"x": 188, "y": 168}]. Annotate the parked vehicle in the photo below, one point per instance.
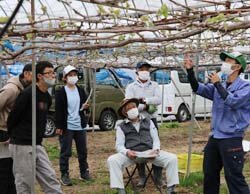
[
  {"x": 108, "y": 95},
  {"x": 245, "y": 76},
  {"x": 173, "y": 103}
]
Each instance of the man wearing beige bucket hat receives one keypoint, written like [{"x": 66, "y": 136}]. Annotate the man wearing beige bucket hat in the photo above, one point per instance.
[
  {"x": 149, "y": 94},
  {"x": 134, "y": 135}
]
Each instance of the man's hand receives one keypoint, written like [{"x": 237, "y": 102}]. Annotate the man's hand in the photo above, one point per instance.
[
  {"x": 188, "y": 63},
  {"x": 85, "y": 106},
  {"x": 214, "y": 77},
  {"x": 157, "y": 151},
  {"x": 131, "y": 154},
  {"x": 142, "y": 101},
  {"x": 59, "y": 131}
]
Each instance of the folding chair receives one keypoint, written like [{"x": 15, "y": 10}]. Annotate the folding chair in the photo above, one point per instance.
[{"x": 149, "y": 174}]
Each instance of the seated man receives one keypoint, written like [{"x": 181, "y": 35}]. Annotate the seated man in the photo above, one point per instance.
[{"x": 137, "y": 134}]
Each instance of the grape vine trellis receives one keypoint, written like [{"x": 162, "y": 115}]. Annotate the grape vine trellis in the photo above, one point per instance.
[{"x": 132, "y": 29}]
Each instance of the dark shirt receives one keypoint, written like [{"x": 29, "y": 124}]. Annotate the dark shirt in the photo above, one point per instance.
[{"x": 19, "y": 122}]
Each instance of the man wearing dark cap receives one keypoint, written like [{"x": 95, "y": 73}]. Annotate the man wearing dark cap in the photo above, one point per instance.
[
  {"x": 230, "y": 119},
  {"x": 149, "y": 95},
  {"x": 136, "y": 134},
  {"x": 8, "y": 95}
]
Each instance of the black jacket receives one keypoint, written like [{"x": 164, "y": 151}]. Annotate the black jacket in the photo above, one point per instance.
[
  {"x": 62, "y": 108},
  {"x": 19, "y": 122}
]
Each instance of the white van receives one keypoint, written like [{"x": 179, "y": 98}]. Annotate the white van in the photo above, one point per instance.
[{"x": 173, "y": 103}]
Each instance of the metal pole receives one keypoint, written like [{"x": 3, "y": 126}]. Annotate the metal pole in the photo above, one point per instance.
[
  {"x": 33, "y": 104},
  {"x": 205, "y": 101},
  {"x": 162, "y": 90},
  {"x": 193, "y": 113},
  {"x": 205, "y": 109},
  {"x": 162, "y": 101},
  {"x": 94, "y": 101}
]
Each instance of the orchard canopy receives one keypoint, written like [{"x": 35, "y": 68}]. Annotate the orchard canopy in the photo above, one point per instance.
[{"x": 121, "y": 32}]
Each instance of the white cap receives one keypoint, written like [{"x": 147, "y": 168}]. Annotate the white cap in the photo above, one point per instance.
[{"x": 68, "y": 69}]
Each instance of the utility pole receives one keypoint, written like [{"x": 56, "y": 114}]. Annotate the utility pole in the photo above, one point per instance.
[{"x": 33, "y": 102}]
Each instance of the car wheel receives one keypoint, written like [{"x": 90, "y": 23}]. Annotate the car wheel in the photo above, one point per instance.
[
  {"x": 50, "y": 127},
  {"x": 107, "y": 120},
  {"x": 183, "y": 114}
]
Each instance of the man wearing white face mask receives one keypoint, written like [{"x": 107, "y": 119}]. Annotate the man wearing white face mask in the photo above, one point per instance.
[
  {"x": 148, "y": 92},
  {"x": 138, "y": 133},
  {"x": 19, "y": 126},
  {"x": 70, "y": 123},
  {"x": 230, "y": 119}
]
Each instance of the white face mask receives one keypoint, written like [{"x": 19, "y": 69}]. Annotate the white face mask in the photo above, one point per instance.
[
  {"x": 133, "y": 113},
  {"x": 226, "y": 68},
  {"x": 50, "y": 82},
  {"x": 144, "y": 75},
  {"x": 72, "y": 80}
]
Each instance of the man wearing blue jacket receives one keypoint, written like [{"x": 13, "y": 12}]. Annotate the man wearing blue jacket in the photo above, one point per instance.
[{"x": 230, "y": 119}]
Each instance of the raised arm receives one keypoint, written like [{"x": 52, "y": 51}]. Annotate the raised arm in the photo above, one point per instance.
[{"x": 204, "y": 90}]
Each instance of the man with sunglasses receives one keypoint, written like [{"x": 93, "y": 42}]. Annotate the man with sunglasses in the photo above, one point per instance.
[{"x": 20, "y": 129}]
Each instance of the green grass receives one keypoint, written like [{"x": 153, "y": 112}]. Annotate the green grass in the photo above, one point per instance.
[
  {"x": 53, "y": 151},
  {"x": 170, "y": 125},
  {"x": 223, "y": 189},
  {"x": 193, "y": 181}
]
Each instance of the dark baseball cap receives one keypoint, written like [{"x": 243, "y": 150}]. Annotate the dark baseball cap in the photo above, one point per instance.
[{"x": 141, "y": 64}]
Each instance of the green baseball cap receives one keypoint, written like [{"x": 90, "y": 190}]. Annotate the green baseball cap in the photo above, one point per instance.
[{"x": 236, "y": 56}]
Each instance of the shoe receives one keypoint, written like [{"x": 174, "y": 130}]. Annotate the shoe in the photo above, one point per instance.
[
  {"x": 65, "y": 180},
  {"x": 170, "y": 190},
  {"x": 121, "y": 191},
  {"x": 141, "y": 182},
  {"x": 85, "y": 176}
]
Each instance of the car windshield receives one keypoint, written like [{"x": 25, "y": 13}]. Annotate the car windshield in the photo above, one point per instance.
[
  {"x": 125, "y": 76},
  {"x": 161, "y": 76}
]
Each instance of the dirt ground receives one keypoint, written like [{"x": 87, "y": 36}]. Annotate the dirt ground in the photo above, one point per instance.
[{"x": 174, "y": 138}]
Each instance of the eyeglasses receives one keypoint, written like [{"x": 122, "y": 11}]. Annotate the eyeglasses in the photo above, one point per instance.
[{"x": 49, "y": 73}]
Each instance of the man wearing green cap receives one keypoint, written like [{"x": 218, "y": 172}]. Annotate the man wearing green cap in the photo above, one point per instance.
[{"x": 230, "y": 119}]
